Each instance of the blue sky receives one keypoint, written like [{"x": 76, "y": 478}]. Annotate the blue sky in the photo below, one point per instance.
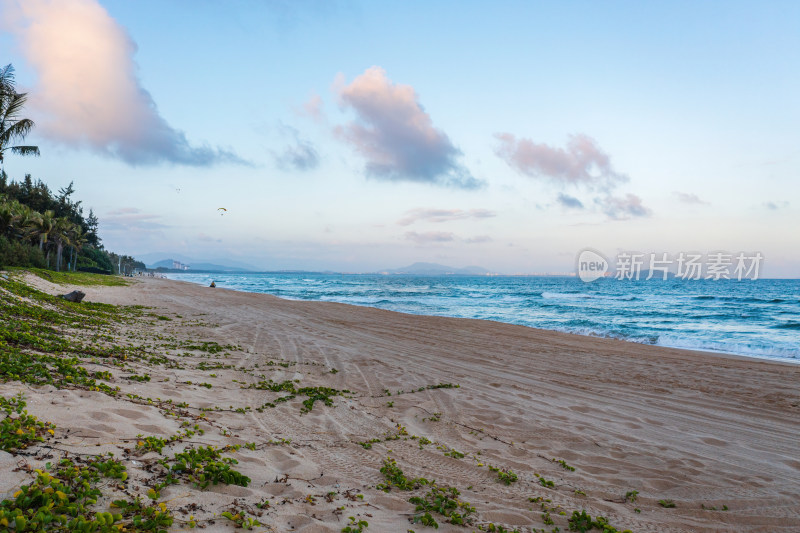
[{"x": 364, "y": 135}]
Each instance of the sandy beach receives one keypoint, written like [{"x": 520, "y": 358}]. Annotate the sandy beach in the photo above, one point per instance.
[{"x": 702, "y": 430}]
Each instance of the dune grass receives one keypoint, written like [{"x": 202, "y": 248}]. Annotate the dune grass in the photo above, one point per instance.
[{"x": 72, "y": 278}]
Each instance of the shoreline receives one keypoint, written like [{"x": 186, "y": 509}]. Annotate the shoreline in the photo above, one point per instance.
[
  {"x": 702, "y": 430},
  {"x": 751, "y": 357}
]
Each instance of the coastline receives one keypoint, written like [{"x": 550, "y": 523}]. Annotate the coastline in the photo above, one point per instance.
[
  {"x": 699, "y": 428},
  {"x": 752, "y": 357},
  {"x": 616, "y": 310}
]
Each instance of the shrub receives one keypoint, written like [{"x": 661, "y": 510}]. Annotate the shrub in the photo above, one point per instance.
[{"x": 15, "y": 253}]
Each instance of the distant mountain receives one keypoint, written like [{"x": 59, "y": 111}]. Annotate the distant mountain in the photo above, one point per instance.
[
  {"x": 435, "y": 269},
  {"x": 196, "y": 265}
]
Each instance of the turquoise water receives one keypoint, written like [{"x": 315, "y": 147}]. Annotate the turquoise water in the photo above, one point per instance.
[{"x": 758, "y": 318}]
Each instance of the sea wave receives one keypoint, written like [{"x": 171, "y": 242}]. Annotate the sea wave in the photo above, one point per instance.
[
  {"x": 742, "y": 299},
  {"x": 787, "y": 325},
  {"x": 587, "y": 296},
  {"x": 750, "y": 349},
  {"x": 754, "y": 319}
]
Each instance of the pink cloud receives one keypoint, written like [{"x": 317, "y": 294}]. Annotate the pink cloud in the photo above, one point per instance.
[
  {"x": 582, "y": 162},
  {"x": 313, "y": 108},
  {"x": 395, "y": 135},
  {"x": 88, "y": 94},
  {"x": 622, "y": 208}
]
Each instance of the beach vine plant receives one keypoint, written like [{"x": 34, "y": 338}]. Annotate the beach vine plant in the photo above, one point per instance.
[
  {"x": 63, "y": 500},
  {"x": 18, "y": 429}
]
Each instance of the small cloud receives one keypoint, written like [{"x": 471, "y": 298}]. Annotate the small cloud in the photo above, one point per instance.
[
  {"x": 581, "y": 163},
  {"x": 689, "y": 198},
  {"x": 478, "y": 239},
  {"x": 124, "y": 211},
  {"x": 130, "y": 219},
  {"x": 569, "y": 201},
  {"x": 443, "y": 215},
  {"x": 207, "y": 238},
  {"x": 313, "y": 108},
  {"x": 89, "y": 94},
  {"x": 300, "y": 154},
  {"x": 774, "y": 206},
  {"x": 430, "y": 237},
  {"x": 395, "y": 135},
  {"x": 622, "y": 208}
]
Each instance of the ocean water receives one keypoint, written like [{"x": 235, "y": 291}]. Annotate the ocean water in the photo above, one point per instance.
[{"x": 757, "y": 318}]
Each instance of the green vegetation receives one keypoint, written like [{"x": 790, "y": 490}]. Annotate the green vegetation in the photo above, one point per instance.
[
  {"x": 668, "y": 504},
  {"x": 156, "y": 444},
  {"x": 206, "y": 465},
  {"x": 583, "y": 522},
  {"x": 62, "y": 501},
  {"x": 455, "y": 454},
  {"x": 505, "y": 476},
  {"x": 631, "y": 496},
  {"x": 143, "y": 517},
  {"x": 444, "y": 501},
  {"x": 86, "y": 279},
  {"x": 395, "y": 478},
  {"x": 241, "y": 520},
  {"x": 441, "y": 500},
  {"x": 35, "y": 349},
  {"x": 705, "y": 508},
  {"x": 313, "y": 394},
  {"x": 356, "y": 526},
  {"x": 545, "y": 482},
  {"x": 18, "y": 429},
  {"x": 564, "y": 465}
]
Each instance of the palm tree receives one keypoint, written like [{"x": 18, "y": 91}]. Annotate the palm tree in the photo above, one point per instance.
[
  {"x": 44, "y": 225},
  {"x": 23, "y": 222},
  {"x": 76, "y": 240},
  {"x": 59, "y": 237},
  {"x": 7, "y": 215},
  {"x": 13, "y": 128}
]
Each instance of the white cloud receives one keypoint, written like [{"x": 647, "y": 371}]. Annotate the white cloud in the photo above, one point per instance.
[
  {"x": 569, "y": 201},
  {"x": 690, "y": 198},
  {"x": 442, "y": 215},
  {"x": 430, "y": 237},
  {"x": 300, "y": 154}
]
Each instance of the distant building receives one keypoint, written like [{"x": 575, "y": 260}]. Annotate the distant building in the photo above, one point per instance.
[{"x": 177, "y": 265}]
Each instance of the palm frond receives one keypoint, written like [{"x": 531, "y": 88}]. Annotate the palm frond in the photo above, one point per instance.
[
  {"x": 13, "y": 128},
  {"x": 16, "y": 131},
  {"x": 7, "y": 78},
  {"x": 13, "y": 105},
  {"x": 26, "y": 150}
]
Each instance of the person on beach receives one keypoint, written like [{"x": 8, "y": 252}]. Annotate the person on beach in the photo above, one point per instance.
[{"x": 213, "y": 284}]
